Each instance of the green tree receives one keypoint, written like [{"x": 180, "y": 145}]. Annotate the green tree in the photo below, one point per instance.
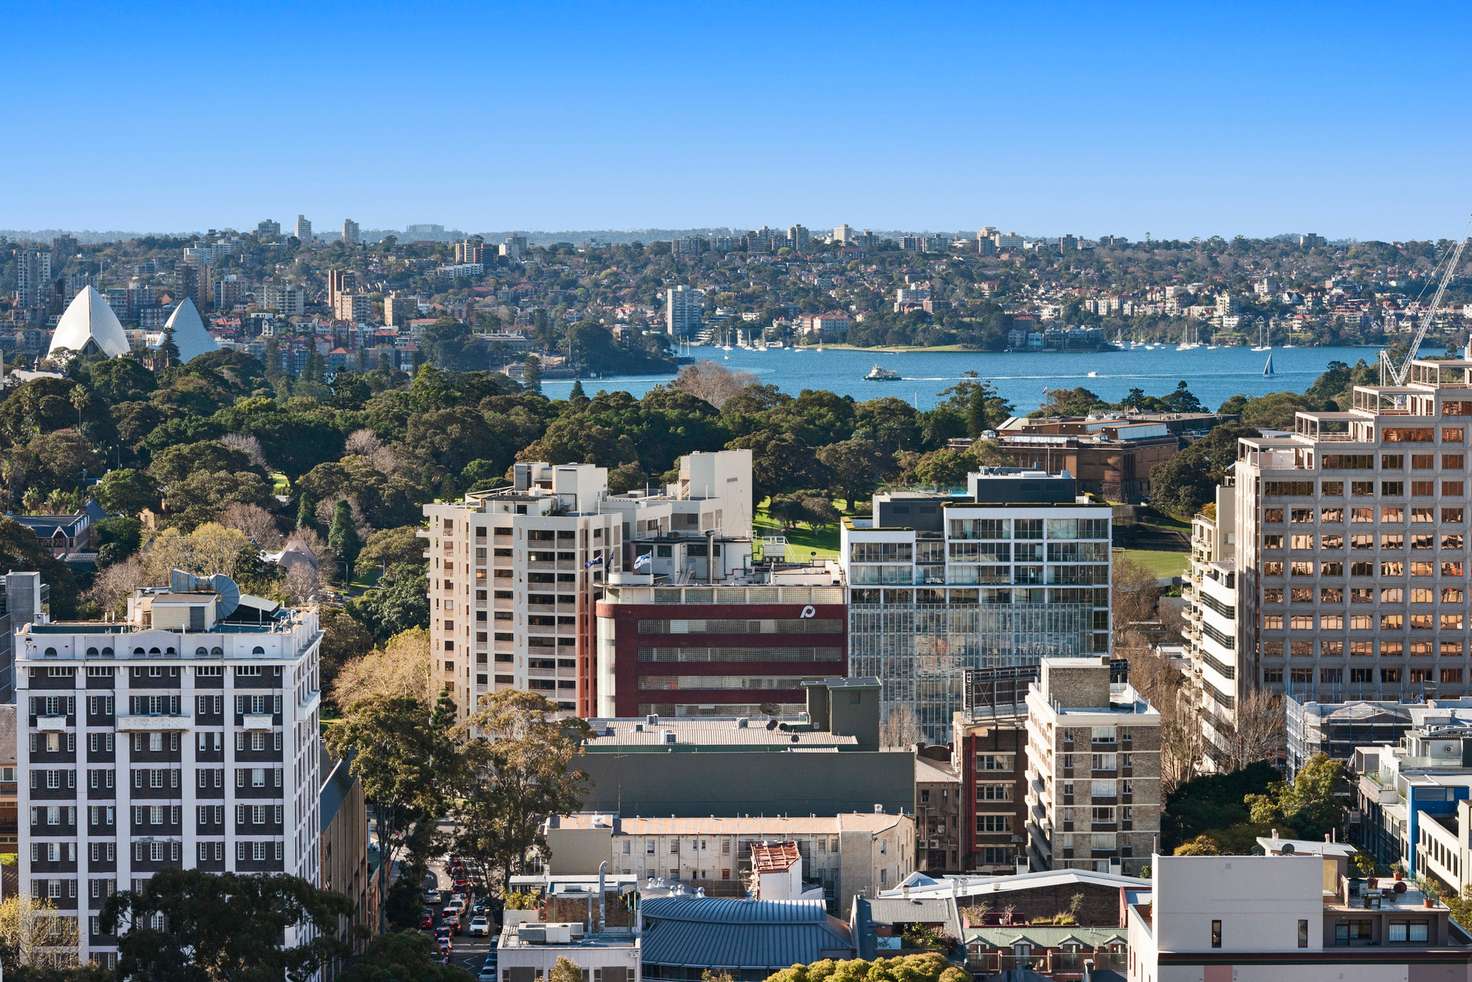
[
  {"x": 1202, "y": 845},
  {"x": 927, "y": 967},
  {"x": 168, "y": 349},
  {"x": 125, "y": 491},
  {"x": 1311, "y": 805},
  {"x": 401, "y": 754},
  {"x": 565, "y": 970},
  {"x": 857, "y": 466},
  {"x": 517, "y": 770},
  {"x": 342, "y": 538},
  {"x": 978, "y": 404},
  {"x": 188, "y": 924},
  {"x": 396, "y": 603},
  {"x": 306, "y": 510},
  {"x": 398, "y": 957}
]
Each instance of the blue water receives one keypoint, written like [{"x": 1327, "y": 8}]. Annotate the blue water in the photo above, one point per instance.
[{"x": 1022, "y": 377}]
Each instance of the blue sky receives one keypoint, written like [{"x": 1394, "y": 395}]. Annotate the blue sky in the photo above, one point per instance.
[{"x": 1046, "y": 118}]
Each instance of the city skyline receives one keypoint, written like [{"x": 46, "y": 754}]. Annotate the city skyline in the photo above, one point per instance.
[{"x": 1176, "y": 124}]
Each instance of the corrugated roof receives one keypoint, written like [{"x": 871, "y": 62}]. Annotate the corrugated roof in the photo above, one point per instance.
[
  {"x": 1045, "y": 935},
  {"x": 721, "y": 933}
]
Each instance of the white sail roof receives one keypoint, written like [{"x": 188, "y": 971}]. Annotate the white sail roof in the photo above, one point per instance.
[
  {"x": 89, "y": 325},
  {"x": 190, "y": 335}
]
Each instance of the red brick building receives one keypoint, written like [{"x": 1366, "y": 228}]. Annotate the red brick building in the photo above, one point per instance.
[{"x": 725, "y": 649}]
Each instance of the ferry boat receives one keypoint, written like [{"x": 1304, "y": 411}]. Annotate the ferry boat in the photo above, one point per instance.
[{"x": 878, "y": 374}]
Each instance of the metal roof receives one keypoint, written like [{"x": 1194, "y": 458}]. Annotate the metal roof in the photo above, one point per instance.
[
  {"x": 722, "y": 933},
  {"x": 672, "y": 733}
]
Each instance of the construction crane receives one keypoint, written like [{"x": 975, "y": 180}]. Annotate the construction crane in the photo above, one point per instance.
[{"x": 1393, "y": 374}]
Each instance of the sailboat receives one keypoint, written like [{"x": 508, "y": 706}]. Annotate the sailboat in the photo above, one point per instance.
[
  {"x": 1186, "y": 343},
  {"x": 1267, "y": 369},
  {"x": 1262, "y": 339}
]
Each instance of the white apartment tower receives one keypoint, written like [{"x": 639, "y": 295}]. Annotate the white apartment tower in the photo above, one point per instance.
[
  {"x": 1351, "y": 545},
  {"x": 303, "y": 229},
  {"x": 1093, "y": 770},
  {"x": 682, "y": 311},
  {"x": 1211, "y": 620},
  {"x": 186, "y": 736},
  {"x": 514, "y": 572},
  {"x": 1015, "y": 570}
]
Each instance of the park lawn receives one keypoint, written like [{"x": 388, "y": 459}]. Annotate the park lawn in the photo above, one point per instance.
[
  {"x": 280, "y": 484},
  {"x": 1160, "y": 562},
  {"x": 804, "y": 539}
]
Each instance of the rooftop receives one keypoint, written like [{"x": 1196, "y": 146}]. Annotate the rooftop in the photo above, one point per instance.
[
  {"x": 676, "y": 733},
  {"x": 721, "y": 933},
  {"x": 771, "y": 826},
  {"x": 965, "y": 885},
  {"x": 774, "y": 858}
]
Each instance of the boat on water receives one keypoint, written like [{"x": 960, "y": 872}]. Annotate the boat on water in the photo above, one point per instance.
[
  {"x": 879, "y": 374},
  {"x": 1262, "y": 339},
  {"x": 775, "y": 344},
  {"x": 1267, "y": 369},
  {"x": 1093, "y": 375}
]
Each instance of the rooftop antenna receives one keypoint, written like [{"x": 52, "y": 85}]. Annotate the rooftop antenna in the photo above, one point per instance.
[{"x": 1393, "y": 374}]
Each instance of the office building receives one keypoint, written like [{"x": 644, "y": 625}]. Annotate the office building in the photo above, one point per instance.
[
  {"x": 1350, "y": 555},
  {"x": 185, "y": 735},
  {"x": 1014, "y": 570},
  {"x": 683, "y": 308},
  {"x": 1290, "y": 915},
  {"x": 1093, "y": 770},
  {"x": 350, "y": 231},
  {"x": 515, "y": 572},
  {"x": 848, "y": 854},
  {"x": 303, "y": 229},
  {"x": 824, "y": 761},
  {"x": 728, "y": 648}
]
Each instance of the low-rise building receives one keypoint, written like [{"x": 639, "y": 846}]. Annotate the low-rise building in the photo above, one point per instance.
[
  {"x": 938, "y": 832},
  {"x": 825, "y": 761},
  {"x": 1337, "y": 729},
  {"x": 589, "y": 920},
  {"x": 686, "y": 936},
  {"x": 848, "y": 854},
  {"x": 1407, "y": 795},
  {"x": 1276, "y": 917},
  {"x": 1093, "y": 769}
]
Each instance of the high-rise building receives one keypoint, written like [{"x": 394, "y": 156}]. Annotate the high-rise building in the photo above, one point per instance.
[
  {"x": 33, "y": 281},
  {"x": 1345, "y": 569},
  {"x": 471, "y": 250},
  {"x": 23, "y": 598},
  {"x": 303, "y": 229},
  {"x": 268, "y": 229},
  {"x": 185, "y": 736},
  {"x": 515, "y": 572},
  {"x": 339, "y": 281},
  {"x": 194, "y": 281},
  {"x": 843, "y": 234},
  {"x": 799, "y": 238},
  {"x": 683, "y": 307},
  {"x": 356, "y": 308},
  {"x": 398, "y": 309},
  {"x": 350, "y": 231},
  {"x": 1014, "y": 570},
  {"x": 284, "y": 298},
  {"x": 514, "y": 247},
  {"x": 1093, "y": 770}
]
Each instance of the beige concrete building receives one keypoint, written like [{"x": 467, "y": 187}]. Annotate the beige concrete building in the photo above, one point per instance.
[
  {"x": 1211, "y": 618},
  {"x": 847, "y": 854},
  {"x": 1351, "y": 545},
  {"x": 1093, "y": 770},
  {"x": 514, "y": 572}
]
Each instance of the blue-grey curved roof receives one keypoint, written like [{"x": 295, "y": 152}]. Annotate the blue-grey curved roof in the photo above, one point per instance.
[{"x": 725, "y": 933}]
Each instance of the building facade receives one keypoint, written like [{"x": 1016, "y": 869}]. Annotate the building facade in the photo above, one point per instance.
[
  {"x": 683, "y": 308},
  {"x": 514, "y": 573},
  {"x": 1093, "y": 770},
  {"x": 1351, "y": 550},
  {"x": 1014, "y": 571},
  {"x": 185, "y": 736}
]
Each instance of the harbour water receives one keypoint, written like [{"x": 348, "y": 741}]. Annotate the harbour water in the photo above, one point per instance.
[{"x": 1214, "y": 375}]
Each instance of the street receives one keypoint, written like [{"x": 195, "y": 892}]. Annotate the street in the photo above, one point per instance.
[{"x": 468, "y": 953}]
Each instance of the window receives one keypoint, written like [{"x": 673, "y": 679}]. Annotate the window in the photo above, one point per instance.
[
  {"x": 1302, "y": 933},
  {"x": 1216, "y": 934}
]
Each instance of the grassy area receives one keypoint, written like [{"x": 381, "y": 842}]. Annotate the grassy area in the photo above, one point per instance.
[
  {"x": 1160, "y": 562},
  {"x": 279, "y": 483},
  {"x": 803, "y": 539}
]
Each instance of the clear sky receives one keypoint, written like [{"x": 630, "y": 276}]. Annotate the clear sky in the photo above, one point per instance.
[{"x": 1228, "y": 118}]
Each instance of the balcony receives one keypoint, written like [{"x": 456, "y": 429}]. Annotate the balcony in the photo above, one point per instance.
[{"x": 154, "y": 723}]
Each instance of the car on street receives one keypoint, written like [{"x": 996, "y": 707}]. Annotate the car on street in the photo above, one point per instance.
[
  {"x": 432, "y": 895},
  {"x": 426, "y": 918},
  {"x": 480, "y": 926},
  {"x": 488, "y": 968}
]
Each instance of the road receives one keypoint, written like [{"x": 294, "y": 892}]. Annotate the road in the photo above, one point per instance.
[{"x": 469, "y": 953}]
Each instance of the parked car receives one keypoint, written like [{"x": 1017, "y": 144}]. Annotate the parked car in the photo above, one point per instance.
[
  {"x": 488, "y": 968},
  {"x": 480, "y": 926}
]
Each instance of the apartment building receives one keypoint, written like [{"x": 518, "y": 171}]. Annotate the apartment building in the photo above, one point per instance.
[
  {"x": 1212, "y": 619},
  {"x": 186, "y": 735},
  {"x": 1338, "y": 729},
  {"x": 1351, "y": 552},
  {"x": 1288, "y": 915},
  {"x": 1093, "y": 770},
  {"x": 514, "y": 573},
  {"x": 1015, "y": 570},
  {"x": 683, "y": 308},
  {"x": 1408, "y": 797},
  {"x": 848, "y": 854},
  {"x": 23, "y": 597}
]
